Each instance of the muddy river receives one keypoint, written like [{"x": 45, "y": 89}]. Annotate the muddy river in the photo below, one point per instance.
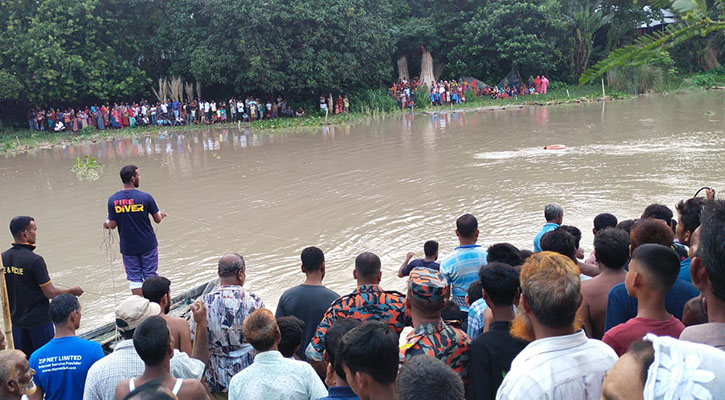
[{"x": 384, "y": 186}]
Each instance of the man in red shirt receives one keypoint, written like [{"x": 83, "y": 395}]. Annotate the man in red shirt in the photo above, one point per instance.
[{"x": 652, "y": 272}]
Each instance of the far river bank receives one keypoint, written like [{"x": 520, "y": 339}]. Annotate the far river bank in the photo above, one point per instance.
[{"x": 18, "y": 141}]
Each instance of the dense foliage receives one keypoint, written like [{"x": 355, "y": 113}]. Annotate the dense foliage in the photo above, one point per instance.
[
  {"x": 700, "y": 22},
  {"x": 58, "y": 52}
]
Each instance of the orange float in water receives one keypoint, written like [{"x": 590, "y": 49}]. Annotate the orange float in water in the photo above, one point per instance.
[{"x": 555, "y": 147}]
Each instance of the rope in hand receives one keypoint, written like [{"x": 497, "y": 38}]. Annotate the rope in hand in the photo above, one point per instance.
[
  {"x": 107, "y": 245},
  {"x": 84, "y": 290},
  {"x": 107, "y": 242},
  {"x": 231, "y": 229}
]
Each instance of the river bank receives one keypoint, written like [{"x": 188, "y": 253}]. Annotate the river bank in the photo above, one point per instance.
[{"x": 18, "y": 141}]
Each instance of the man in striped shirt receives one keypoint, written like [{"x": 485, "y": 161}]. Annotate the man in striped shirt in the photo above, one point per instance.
[{"x": 461, "y": 267}]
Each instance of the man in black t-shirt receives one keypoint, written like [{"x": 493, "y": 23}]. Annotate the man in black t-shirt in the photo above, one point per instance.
[
  {"x": 431, "y": 255},
  {"x": 310, "y": 300},
  {"x": 492, "y": 352},
  {"x": 29, "y": 288}
]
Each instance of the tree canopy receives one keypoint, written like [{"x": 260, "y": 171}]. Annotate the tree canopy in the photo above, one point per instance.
[{"x": 56, "y": 52}]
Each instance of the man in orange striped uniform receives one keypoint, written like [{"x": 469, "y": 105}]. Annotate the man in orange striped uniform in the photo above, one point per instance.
[
  {"x": 367, "y": 302},
  {"x": 428, "y": 291}
]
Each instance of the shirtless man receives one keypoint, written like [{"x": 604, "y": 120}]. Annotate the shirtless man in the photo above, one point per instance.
[
  {"x": 153, "y": 345},
  {"x": 611, "y": 249},
  {"x": 158, "y": 290}
]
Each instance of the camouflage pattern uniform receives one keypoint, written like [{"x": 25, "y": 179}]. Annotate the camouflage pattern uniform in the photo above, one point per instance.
[
  {"x": 366, "y": 302},
  {"x": 435, "y": 339}
]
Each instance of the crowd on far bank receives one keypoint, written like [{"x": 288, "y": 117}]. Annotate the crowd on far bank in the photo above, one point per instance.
[
  {"x": 451, "y": 92},
  {"x": 167, "y": 113},
  {"x": 538, "y": 85},
  {"x": 339, "y": 106},
  {"x": 643, "y": 316}
]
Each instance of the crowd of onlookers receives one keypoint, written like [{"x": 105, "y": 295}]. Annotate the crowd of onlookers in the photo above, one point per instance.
[
  {"x": 166, "y": 113},
  {"x": 642, "y": 316},
  {"x": 330, "y": 106},
  {"x": 453, "y": 92},
  {"x": 538, "y": 85},
  {"x": 440, "y": 93}
]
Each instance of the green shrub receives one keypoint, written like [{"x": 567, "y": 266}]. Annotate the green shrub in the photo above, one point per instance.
[
  {"x": 656, "y": 73},
  {"x": 714, "y": 77},
  {"x": 372, "y": 101},
  {"x": 553, "y": 85}
]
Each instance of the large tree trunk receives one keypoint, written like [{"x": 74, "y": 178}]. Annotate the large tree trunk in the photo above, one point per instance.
[
  {"x": 426, "y": 68},
  {"x": 403, "y": 69},
  {"x": 437, "y": 70},
  {"x": 709, "y": 58}
]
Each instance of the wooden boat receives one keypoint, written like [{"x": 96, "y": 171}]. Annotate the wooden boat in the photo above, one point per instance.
[{"x": 107, "y": 335}]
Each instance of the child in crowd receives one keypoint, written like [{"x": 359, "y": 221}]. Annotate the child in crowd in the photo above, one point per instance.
[
  {"x": 652, "y": 272},
  {"x": 290, "y": 329},
  {"x": 492, "y": 352}
]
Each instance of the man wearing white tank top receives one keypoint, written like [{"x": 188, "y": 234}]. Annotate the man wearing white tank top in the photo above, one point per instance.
[{"x": 152, "y": 342}]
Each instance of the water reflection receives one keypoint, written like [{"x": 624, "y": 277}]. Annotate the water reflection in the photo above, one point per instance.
[{"x": 196, "y": 141}]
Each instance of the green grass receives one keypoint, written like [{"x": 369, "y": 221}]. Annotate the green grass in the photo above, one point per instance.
[{"x": 18, "y": 140}]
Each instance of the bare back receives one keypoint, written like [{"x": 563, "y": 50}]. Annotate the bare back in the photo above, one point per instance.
[
  {"x": 179, "y": 332},
  {"x": 190, "y": 389},
  {"x": 595, "y": 292}
]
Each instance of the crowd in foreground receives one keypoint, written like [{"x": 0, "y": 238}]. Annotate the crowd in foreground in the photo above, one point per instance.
[
  {"x": 642, "y": 317},
  {"x": 161, "y": 113}
]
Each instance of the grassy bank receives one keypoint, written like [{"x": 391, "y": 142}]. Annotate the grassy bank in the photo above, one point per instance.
[
  {"x": 18, "y": 140},
  {"x": 370, "y": 104}
]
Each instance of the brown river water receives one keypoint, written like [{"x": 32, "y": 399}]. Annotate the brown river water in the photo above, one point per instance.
[{"x": 383, "y": 185}]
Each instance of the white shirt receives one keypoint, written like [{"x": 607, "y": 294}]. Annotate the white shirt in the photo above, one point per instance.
[
  {"x": 273, "y": 377},
  {"x": 124, "y": 363},
  {"x": 560, "y": 367}
]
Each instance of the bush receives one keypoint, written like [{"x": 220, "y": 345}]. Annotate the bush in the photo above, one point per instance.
[
  {"x": 714, "y": 77},
  {"x": 372, "y": 100},
  {"x": 657, "y": 73},
  {"x": 553, "y": 85},
  {"x": 422, "y": 96}
]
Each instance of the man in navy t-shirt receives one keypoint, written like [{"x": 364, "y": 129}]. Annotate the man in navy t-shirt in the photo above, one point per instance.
[
  {"x": 129, "y": 209},
  {"x": 431, "y": 255},
  {"x": 61, "y": 365}
]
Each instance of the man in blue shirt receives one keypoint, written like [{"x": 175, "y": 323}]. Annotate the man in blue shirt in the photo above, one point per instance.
[
  {"x": 129, "y": 210},
  {"x": 461, "y": 267},
  {"x": 554, "y": 215},
  {"x": 62, "y": 364}
]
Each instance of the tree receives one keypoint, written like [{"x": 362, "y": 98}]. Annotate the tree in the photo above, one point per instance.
[
  {"x": 526, "y": 35},
  {"x": 426, "y": 31},
  {"x": 697, "y": 20},
  {"x": 60, "y": 52},
  {"x": 586, "y": 18},
  {"x": 293, "y": 47}
]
